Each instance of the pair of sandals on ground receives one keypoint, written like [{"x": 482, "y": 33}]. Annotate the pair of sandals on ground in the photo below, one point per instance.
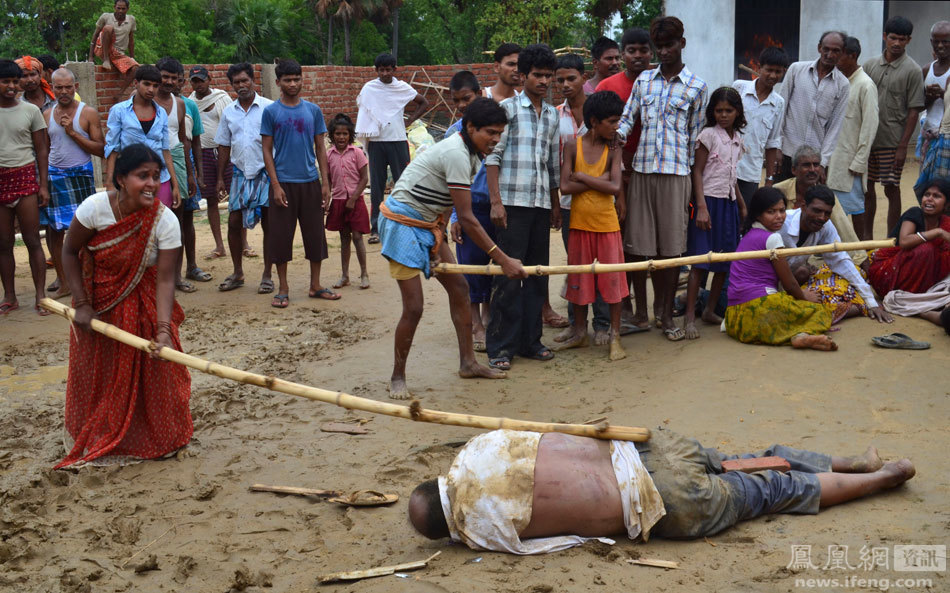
[{"x": 282, "y": 301}]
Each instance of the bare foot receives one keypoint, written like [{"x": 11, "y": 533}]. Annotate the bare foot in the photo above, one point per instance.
[
  {"x": 62, "y": 292},
  {"x": 575, "y": 341},
  {"x": 565, "y": 334},
  {"x": 601, "y": 337},
  {"x": 106, "y": 63},
  {"x": 806, "y": 341},
  {"x": 711, "y": 318},
  {"x": 398, "y": 389},
  {"x": 343, "y": 281},
  {"x": 616, "y": 350},
  {"x": 689, "y": 328},
  {"x": 869, "y": 462},
  {"x": 364, "y": 281},
  {"x": 899, "y": 472},
  {"x": 476, "y": 370}
]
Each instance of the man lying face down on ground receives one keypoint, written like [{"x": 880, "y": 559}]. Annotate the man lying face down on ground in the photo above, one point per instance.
[{"x": 530, "y": 493}]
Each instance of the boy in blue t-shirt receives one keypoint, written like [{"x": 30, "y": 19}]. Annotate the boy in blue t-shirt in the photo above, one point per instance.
[{"x": 290, "y": 128}]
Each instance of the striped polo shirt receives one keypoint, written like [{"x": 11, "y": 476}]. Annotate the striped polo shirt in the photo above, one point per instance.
[{"x": 424, "y": 185}]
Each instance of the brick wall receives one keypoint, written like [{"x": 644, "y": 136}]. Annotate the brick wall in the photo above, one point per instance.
[{"x": 333, "y": 88}]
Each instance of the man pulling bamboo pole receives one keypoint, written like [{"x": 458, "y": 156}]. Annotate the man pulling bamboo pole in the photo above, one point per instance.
[
  {"x": 414, "y": 411},
  {"x": 641, "y": 266}
]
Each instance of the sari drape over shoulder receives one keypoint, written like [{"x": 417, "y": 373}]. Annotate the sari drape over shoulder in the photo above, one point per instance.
[{"x": 120, "y": 401}]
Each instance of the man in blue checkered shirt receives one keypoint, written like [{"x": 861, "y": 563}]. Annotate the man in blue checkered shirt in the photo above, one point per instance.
[
  {"x": 523, "y": 183},
  {"x": 670, "y": 101}
]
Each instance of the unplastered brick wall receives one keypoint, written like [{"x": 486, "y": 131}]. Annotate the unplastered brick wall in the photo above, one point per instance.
[{"x": 333, "y": 88}]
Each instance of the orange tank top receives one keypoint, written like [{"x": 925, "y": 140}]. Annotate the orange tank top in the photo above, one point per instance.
[{"x": 593, "y": 210}]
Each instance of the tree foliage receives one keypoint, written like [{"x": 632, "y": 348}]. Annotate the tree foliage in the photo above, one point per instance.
[{"x": 316, "y": 31}]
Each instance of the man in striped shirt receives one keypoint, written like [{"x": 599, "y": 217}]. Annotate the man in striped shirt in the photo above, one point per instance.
[{"x": 670, "y": 101}]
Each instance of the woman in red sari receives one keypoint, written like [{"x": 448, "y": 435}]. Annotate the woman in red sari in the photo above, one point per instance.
[
  {"x": 119, "y": 257},
  {"x": 922, "y": 255}
]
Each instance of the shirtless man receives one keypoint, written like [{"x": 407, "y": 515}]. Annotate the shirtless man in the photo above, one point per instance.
[
  {"x": 75, "y": 135},
  {"x": 114, "y": 42},
  {"x": 553, "y": 491}
]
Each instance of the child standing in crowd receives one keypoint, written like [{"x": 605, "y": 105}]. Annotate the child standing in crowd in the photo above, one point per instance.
[
  {"x": 595, "y": 226},
  {"x": 758, "y": 313},
  {"x": 349, "y": 174},
  {"x": 465, "y": 89},
  {"x": 717, "y": 201}
]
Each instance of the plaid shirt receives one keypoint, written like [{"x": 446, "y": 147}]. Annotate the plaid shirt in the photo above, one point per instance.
[
  {"x": 814, "y": 109},
  {"x": 528, "y": 154},
  {"x": 673, "y": 114}
]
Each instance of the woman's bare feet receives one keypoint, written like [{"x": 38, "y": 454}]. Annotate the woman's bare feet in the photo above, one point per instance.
[
  {"x": 475, "y": 370},
  {"x": 807, "y": 341},
  {"x": 398, "y": 389},
  {"x": 616, "y": 350},
  {"x": 576, "y": 340},
  {"x": 601, "y": 337},
  {"x": 869, "y": 462}
]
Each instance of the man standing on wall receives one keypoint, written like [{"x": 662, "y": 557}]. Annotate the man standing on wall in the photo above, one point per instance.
[
  {"x": 605, "y": 57},
  {"x": 816, "y": 97},
  {"x": 114, "y": 42},
  {"x": 380, "y": 121},
  {"x": 900, "y": 98}
]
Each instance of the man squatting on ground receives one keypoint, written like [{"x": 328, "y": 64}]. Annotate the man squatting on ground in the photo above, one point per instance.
[{"x": 531, "y": 493}]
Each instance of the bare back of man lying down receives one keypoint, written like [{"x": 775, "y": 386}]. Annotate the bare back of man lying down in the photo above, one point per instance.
[{"x": 582, "y": 488}]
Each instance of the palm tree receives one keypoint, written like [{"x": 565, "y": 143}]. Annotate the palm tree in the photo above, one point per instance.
[
  {"x": 325, "y": 9},
  {"x": 258, "y": 28},
  {"x": 352, "y": 11},
  {"x": 390, "y": 10},
  {"x": 603, "y": 10}
]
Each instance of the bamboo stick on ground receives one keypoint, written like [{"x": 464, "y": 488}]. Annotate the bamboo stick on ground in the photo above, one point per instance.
[
  {"x": 658, "y": 264},
  {"x": 352, "y": 402},
  {"x": 355, "y": 575}
]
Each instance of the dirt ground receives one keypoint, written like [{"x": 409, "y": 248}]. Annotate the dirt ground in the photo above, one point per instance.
[{"x": 194, "y": 520}]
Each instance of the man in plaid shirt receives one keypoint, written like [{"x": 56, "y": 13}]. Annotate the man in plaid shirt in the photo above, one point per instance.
[
  {"x": 670, "y": 101},
  {"x": 523, "y": 183}
]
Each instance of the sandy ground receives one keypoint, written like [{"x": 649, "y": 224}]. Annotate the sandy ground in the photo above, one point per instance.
[{"x": 194, "y": 519}]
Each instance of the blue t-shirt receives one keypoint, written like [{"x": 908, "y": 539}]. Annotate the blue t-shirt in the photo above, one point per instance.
[{"x": 293, "y": 129}]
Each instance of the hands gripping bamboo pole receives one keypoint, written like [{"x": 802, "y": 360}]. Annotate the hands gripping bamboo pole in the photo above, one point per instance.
[
  {"x": 413, "y": 411},
  {"x": 643, "y": 266}
]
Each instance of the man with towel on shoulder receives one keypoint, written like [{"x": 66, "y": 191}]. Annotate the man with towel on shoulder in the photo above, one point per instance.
[{"x": 381, "y": 103}]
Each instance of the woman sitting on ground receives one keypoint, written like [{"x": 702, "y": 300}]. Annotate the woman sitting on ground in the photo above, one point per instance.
[
  {"x": 120, "y": 255},
  {"x": 758, "y": 313},
  {"x": 921, "y": 257}
]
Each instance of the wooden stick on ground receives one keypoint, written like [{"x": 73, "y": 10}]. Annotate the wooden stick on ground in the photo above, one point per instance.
[
  {"x": 643, "y": 266},
  {"x": 294, "y": 490},
  {"x": 654, "y": 562},
  {"x": 376, "y": 572},
  {"x": 352, "y": 402}
]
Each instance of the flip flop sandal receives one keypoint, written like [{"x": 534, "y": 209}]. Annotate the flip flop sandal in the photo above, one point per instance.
[
  {"x": 373, "y": 239},
  {"x": 215, "y": 255},
  {"x": 557, "y": 322},
  {"x": 899, "y": 342},
  {"x": 185, "y": 286},
  {"x": 365, "y": 498},
  {"x": 198, "y": 274},
  {"x": 632, "y": 328},
  {"x": 326, "y": 294},
  {"x": 41, "y": 311},
  {"x": 250, "y": 253},
  {"x": 230, "y": 283},
  {"x": 280, "y": 301},
  {"x": 266, "y": 287},
  {"x": 544, "y": 355},
  {"x": 502, "y": 363},
  {"x": 7, "y": 307},
  {"x": 53, "y": 286},
  {"x": 674, "y": 334}
]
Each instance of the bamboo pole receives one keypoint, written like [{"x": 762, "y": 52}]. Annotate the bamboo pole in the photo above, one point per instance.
[
  {"x": 414, "y": 411},
  {"x": 658, "y": 264}
]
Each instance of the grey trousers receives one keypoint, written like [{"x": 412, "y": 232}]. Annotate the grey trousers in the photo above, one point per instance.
[{"x": 394, "y": 155}]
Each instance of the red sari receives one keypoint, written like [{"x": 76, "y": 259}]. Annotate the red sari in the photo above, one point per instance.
[
  {"x": 120, "y": 401},
  {"x": 912, "y": 270}
]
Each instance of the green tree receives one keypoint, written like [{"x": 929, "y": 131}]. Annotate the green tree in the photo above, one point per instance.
[
  {"x": 259, "y": 29},
  {"x": 554, "y": 22}
]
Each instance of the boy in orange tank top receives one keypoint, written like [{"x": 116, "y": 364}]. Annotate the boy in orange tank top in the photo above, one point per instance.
[{"x": 595, "y": 221}]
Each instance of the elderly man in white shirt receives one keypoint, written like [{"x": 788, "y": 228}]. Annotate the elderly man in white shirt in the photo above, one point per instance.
[
  {"x": 239, "y": 142},
  {"x": 809, "y": 226}
]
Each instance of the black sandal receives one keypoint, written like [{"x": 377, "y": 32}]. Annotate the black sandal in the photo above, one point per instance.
[{"x": 544, "y": 354}]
